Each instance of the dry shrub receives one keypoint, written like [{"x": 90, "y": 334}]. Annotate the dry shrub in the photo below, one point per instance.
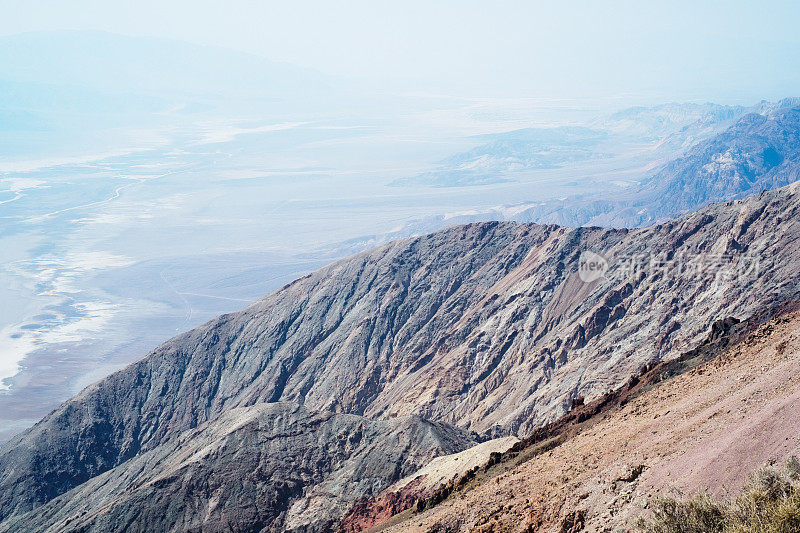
[{"x": 768, "y": 503}]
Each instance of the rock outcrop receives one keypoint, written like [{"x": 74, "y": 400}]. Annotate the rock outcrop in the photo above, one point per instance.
[{"x": 422, "y": 484}]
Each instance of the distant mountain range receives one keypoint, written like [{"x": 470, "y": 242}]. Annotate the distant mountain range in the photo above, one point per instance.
[
  {"x": 71, "y": 91},
  {"x": 675, "y": 122},
  {"x": 757, "y": 151},
  {"x": 118, "y": 64},
  {"x": 507, "y": 156},
  {"x": 760, "y": 151}
]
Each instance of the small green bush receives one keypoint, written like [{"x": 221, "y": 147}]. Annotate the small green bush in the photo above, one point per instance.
[{"x": 769, "y": 503}]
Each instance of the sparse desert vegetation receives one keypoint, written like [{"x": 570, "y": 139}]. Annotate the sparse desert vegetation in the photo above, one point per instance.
[{"x": 769, "y": 503}]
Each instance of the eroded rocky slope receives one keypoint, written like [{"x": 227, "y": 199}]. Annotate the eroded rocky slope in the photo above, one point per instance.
[
  {"x": 706, "y": 430},
  {"x": 271, "y": 466}
]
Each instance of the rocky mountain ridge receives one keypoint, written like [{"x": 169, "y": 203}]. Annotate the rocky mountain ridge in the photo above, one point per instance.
[
  {"x": 471, "y": 333},
  {"x": 486, "y": 327}
]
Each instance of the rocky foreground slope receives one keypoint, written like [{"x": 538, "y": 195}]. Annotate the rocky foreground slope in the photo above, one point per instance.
[
  {"x": 488, "y": 328},
  {"x": 707, "y": 430}
]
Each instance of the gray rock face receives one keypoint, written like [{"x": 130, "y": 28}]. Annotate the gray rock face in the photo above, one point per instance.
[
  {"x": 270, "y": 467},
  {"x": 486, "y": 327}
]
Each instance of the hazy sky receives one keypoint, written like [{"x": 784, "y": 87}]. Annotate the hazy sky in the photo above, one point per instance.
[{"x": 734, "y": 50}]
